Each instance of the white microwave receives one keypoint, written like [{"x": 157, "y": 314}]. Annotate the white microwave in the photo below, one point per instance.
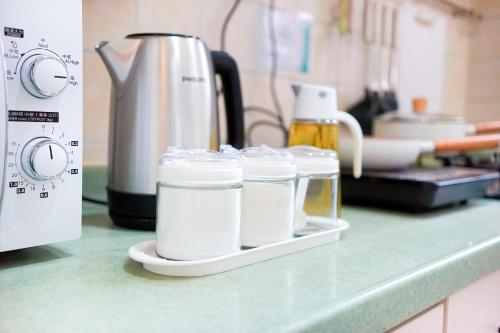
[{"x": 40, "y": 122}]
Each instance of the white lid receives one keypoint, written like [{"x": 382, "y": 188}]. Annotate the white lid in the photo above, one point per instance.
[
  {"x": 312, "y": 160},
  {"x": 315, "y": 102},
  {"x": 199, "y": 167},
  {"x": 264, "y": 162}
]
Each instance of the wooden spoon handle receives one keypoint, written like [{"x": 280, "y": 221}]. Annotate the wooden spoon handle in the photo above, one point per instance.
[
  {"x": 468, "y": 143},
  {"x": 487, "y": 127}
]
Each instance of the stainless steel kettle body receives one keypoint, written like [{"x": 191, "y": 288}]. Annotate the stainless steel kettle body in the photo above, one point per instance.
[{"x": 163, "y": 95}]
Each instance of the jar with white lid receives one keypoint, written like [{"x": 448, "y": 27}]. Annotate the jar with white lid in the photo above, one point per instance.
[
  {"x": 198, "y": 204},
  {"x": 268, "y": 201},
  {"x": 317, "y": 189}
]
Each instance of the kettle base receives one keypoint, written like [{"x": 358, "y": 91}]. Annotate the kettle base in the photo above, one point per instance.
[
  {"x": 136, "y": 223},
  {"x": 132, "y": 210}
]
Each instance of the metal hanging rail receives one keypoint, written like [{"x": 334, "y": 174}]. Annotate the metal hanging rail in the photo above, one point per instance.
[{"x": 459, "y": 10}]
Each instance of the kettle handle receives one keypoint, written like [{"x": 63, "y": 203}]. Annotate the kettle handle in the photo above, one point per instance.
[
  {"x": 357, "y": 136},
  {"x": 226, "y": 67}
]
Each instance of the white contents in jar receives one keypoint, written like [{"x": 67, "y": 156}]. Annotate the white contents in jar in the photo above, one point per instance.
[
  {"x": 196, "y": 223},
  {"x": 267, "y": 212}
]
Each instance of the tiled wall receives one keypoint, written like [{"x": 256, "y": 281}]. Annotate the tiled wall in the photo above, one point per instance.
[
  {"x": 483, "y": 100},
  {"x": 335, "y": 60},
  {"x": 459, "y": 36}
]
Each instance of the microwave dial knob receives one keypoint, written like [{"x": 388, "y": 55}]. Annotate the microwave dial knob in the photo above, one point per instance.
[
  {"x": 44, "y": 76},
  {"x": 44, "y": 159}
]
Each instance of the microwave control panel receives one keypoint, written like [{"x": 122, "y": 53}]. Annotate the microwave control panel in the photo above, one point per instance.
[{"x": 42, "y": 178}]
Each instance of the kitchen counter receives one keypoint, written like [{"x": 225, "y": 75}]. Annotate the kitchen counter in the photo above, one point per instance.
[{"x": 388, "y": 267}]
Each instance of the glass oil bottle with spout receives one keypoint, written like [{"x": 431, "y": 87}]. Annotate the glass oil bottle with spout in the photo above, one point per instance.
[{"x": 315, "y": 123}]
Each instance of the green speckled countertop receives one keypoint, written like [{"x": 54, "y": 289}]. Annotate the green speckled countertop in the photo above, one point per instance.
[{"x": 386, "y": 268}]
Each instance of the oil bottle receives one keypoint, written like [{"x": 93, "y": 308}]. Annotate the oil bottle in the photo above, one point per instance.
[{"x": 315, "y": 123}]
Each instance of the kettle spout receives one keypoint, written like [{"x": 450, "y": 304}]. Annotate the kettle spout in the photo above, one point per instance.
[
  {"x": 296, "y": 89},
  {"x": 118, "y": 57}
]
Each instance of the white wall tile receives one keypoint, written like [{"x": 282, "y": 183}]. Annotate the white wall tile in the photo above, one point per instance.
[
  {"x": 484, "y": 68},
  {"x": 241, "y": 37},
  {"x": 95, "y": 153},
  {"x": 322, "y": 10},
  {"x": 348, "y": 95},
  {"x": 483, "y": 110},
  {"x": 485, "y": 80},
  {"x": 256, "y": 92},
  {"x": 357, "y": 15},
  {"x": 170, "y": 16},
  {"x": 489, "y": 8},
  {"x": 351, "y": 61},
  {"x": 467, "y": 4},
  {"x": 324, "y": 64},
  {"x": 97, "y": 87},
  {"x": 105, "y": 20},
  {"x": 486, "y": 42},
  {"x": 458, "y": 39}
]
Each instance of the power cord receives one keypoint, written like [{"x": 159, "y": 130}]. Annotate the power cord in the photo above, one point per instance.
[
  {"x": 273, "y": 73},
  {"x": 226, "y": 24},
  {"x": 95, "y": 201},
  {"x": 277, "y": 115},
  {"x": 262, "y": 110}
]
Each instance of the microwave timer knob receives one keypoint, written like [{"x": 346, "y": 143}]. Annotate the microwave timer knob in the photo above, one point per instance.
[
  {"x": 44, "y": 76},
  {"x": 44, "y": 159}
]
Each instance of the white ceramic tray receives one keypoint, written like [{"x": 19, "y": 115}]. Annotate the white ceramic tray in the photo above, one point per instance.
[{"x": 145, "y": 253}]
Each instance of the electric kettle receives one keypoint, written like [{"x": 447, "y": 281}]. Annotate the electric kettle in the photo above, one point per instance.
[{"x": 163, "y": 95}]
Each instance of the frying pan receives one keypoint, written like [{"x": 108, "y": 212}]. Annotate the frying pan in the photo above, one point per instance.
[{"x": 391, "y": 154}]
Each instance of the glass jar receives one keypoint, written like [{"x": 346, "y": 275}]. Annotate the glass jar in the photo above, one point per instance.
[
  {"x": 317, "y": 189},
  {"x": 198, "y": 204},
  {"x": 268, "y": 201}
]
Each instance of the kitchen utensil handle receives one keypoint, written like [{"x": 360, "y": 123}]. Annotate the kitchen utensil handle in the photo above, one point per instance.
[
  {"x": 468, "y": 143},
  {"x": 487, "y": 127},
  {"x": 357, "y": 136},
  {"x": 393, "y": 67},
  {"x": 368, "y": 22},
  {"x": 226, "y": 67}
]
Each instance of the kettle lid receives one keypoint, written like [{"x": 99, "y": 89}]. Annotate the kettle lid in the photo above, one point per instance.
[{"x": 158, "y": 34}]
